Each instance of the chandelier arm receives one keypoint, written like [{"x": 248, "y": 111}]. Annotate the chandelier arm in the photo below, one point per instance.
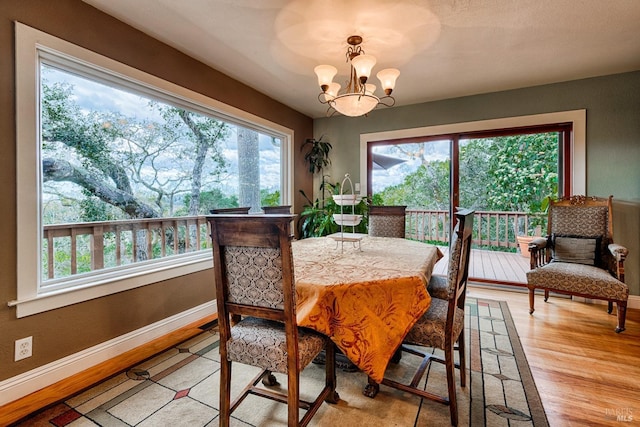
[
  {"x": 320, "y": 98},
  {"x": 387, "y": 101}
]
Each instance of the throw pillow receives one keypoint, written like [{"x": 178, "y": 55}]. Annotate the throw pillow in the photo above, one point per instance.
[{"x": 576, "y": 249}]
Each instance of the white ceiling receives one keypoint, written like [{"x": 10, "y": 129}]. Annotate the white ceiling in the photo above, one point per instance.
[{"x": 443, "y": 48}]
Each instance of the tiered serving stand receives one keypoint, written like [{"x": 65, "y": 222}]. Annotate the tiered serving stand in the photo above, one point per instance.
[{"x": 346, "y": 220}]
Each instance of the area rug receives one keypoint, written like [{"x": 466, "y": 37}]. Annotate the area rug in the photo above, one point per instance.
[{"x": 179, "y": 387}]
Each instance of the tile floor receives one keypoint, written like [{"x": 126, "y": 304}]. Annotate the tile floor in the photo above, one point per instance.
[{"x": 157, "y": 392}]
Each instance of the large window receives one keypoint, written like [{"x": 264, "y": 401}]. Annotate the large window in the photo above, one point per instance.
[
  {"x": 116, "y": 169},
  {"x": 494, "y": 170},
  {"x": 573, "y": 164},
  {"x": 505, "y": 175}
]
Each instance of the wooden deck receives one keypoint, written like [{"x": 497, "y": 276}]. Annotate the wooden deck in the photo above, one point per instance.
[{"x": 491, "y": 266}]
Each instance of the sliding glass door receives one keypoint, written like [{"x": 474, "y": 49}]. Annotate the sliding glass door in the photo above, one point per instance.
[{"x": 504, "y": 174}]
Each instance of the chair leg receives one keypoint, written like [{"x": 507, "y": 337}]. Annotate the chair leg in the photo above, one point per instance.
[
  {"x": 225, "y": 393},
  {"x": 451, "y": 385},
  {"x": 293, "y": 398},
  {"x": 270, "y": 380},
  {"x": 462, "y": 359},
  {"x": 546, "y": 295},
  {"x": 532, "y": 298},
  {"x": 609, "y": 307},
  {"x": 621, "y": 308}
]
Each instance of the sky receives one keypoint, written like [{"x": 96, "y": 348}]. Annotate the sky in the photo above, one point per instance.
[
  {"x": 94, "y": 96},
  {"x": 382, "y": 178}
]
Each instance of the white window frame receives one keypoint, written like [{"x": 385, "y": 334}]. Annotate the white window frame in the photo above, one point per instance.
[{"x": 31, "y": 44}]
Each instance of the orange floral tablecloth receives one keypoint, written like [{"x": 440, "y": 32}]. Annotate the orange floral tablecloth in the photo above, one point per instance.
[{"x": 365, "y": 299}]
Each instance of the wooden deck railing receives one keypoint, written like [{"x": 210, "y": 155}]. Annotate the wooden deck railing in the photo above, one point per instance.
[
  {"x": 491, "y": 229},
  {"x": 83, "y": 247}
]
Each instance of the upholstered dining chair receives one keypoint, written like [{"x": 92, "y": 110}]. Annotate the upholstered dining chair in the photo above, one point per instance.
[
  {"x": 443, "y": 323},
  {"x": 282, "y": 209},
  {"x": 438, "y": 287},
  {"x": 254, "y": 278},
  {"x": 241, "y": 210},
  {"x": 578, "y": 256},
  {"x": 387, "y": 221}
]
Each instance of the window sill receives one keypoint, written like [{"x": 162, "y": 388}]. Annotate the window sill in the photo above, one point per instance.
[{"x": 104, "y": 284}]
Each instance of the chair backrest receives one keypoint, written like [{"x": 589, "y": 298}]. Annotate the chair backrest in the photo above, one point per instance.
[
  {"x": 583, "y": 217},
  {"x": 387, "y": 221},
  {"x": 242, "y": 210},
  {"x": 253, "y": 268},
  {"x": 283, "y": 209},
  {"x": 459, "y": 256}
]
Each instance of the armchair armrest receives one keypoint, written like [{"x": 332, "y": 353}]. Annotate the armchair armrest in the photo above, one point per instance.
[
  {"x": 619, "y": 252},
  {"x": 539, "y": 252},
  {"x": 538, "y": 243}
]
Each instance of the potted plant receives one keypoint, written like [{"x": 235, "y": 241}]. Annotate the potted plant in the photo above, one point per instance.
[
  {"x": 313, "y": 219},
  {"x": 523, "y": 241},
  {"x": 538, "y": 218},
  {"x": 317, "y": 155}
]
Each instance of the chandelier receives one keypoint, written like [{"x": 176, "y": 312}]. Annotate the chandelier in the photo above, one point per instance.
[{"x": 358, "y": 97}]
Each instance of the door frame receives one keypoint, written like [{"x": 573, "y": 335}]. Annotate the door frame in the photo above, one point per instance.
[{"x": 576, "y": 161}]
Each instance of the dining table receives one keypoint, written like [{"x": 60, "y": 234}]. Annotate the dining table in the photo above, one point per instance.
[{"x": 365, "y": 295}]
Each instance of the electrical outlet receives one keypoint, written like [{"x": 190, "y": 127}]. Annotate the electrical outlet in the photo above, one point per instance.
[
  {"x": 24, "y": 347},
  {"x": 357, "y": 190}
]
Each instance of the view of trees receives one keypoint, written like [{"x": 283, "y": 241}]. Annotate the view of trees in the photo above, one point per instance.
[
  {"x": 111, "y": 154},
  {"x": 510, "y": 173},
  {"x": 100, "y": 165}
]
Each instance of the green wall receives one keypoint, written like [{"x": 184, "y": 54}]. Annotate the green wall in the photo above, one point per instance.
[{"x": 612, "y": 142}]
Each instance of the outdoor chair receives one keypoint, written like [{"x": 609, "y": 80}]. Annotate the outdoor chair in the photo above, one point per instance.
[
  {"x": 578, "y": 256},
  {"x": 387, "y": 221},
  {"x": 443, "y": 323},
  {"x": 254, "y": 278}
]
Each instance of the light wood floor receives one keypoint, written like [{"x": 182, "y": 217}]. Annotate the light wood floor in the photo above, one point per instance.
[{"x": 584, "y": 371}]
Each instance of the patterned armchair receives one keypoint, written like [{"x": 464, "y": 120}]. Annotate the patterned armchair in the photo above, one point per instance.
[
  {"x": 578, "y": 256},
  {"x": 254, "y": 280},
  {"x": 387, "y": 221}
]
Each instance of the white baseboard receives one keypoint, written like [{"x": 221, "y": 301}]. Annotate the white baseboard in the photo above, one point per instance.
[{"x": 21, "y": 385}]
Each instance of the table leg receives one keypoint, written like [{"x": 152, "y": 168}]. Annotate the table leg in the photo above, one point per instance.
[{"x": 371, "y": 389}]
